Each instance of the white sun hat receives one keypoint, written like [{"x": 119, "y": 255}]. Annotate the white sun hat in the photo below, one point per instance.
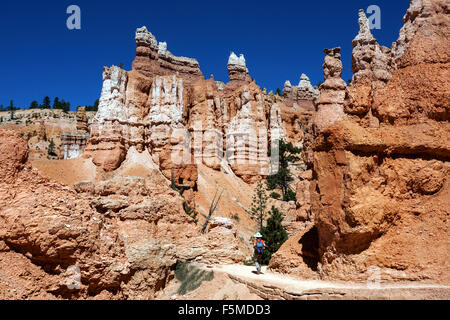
[{"x": 258, "y": 235}]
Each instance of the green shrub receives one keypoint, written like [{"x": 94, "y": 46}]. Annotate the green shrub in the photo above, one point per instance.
[
  {"x": 190, "y": 212},
  {"x": 290, "y": 196},
  {"x": 273, "y": 234},
  {"x": 191, "y": 277},
  {"x": 275, "y": 195},
  {"x": 51, "y": 149}
]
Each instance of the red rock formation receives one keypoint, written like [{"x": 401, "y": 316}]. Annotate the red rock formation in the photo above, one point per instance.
[
  {"x": 303, "y": 95},
  {"x": 369, "y": 59},
  {"x": 165, "y": 106},
  {"x": 124, "y": 234},
  {"x": 237, "y": 68},
  {"x": 82, "y": 120},
  {"x": 422, "y": 57},
  {"x": 332, "y": 91},
  {"x": 153, "y": 59},
  {"x": 247, "y": 132},
  {"x": 13, "y": 155},
  {"x": 380, "y": 193},
  {"x": 73, "y": 143}
]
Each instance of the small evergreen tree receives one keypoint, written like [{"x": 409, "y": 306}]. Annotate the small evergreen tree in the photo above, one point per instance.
[
  {"x": 11, "y": 108},
  {"x": 56, "y": 103},
  {"x": 95, "y": 107},
  {"x": 51, "y": 148},
  {"x": 290, "y": 196},
  {"x": 259, "y": 204},
  {"x": 2, "y": 107},
  {"x": 34, "y": 105},
  {"x": 66, "y": 107},
  {"x": 46, "y": 103},
  {"x": 278, "y": 92},
  {"x": 273, "y": 234},
  {"x": 283, "y": 177}
]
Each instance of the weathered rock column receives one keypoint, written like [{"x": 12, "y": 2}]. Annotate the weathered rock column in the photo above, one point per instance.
[{"x": 330, "y": 105}]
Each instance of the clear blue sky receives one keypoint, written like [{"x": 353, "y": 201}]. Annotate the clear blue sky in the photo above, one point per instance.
[{"x": 280, "y": 40}]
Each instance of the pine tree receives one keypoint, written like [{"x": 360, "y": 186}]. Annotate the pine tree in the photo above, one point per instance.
[
  {"x": 66, "y": 106},
  {"x": 278, "y": 92},
  {"x": 273, "y": 234},
  {"x": 56, "y": 103},
  {"x": 283, "y": 177},
  {"x": 259, "y": 204},
  {"x": 51, "y": 148},
  {"x": 46, "y": 103},
  {"x": 34, "y": 105},
  {"x": 11, "y": 108},
  {"x": 95, "y": 107},
  {"x": 2, "y": 108}
]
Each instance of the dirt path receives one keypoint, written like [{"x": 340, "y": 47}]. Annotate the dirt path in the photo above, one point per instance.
[{"x": 271, "y": 285}]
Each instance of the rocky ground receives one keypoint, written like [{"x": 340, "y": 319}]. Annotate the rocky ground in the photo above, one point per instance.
[{"x": 236, "y": 282}]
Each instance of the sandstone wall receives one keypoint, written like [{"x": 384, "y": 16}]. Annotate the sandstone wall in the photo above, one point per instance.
[
  {"x": 165, "y": 105},
  {"x": 380, "y": 189},
  {"x": 304, "y": 94},
  {"x": 68, "y": 130},
  {"x": 124, "y": 234}
]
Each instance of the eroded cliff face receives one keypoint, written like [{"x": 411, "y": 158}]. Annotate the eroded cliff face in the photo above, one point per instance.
[
  {"x": 380, "y": 189},
  {"x": 304, "y": 94},
  {"x": 165, "y": 106},
  {"x": 69, "y": 131},
  {"x": 115, "y": 238},
  {"x": 112, "y": 224}
]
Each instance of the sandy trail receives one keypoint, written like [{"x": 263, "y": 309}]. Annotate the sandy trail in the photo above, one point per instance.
[{"x": 277, "y": 284}]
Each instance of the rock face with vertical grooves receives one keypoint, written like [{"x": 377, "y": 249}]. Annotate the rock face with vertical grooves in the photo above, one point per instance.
[
  {"x": 380, "y": 189},
  {"x": 330, "y": 104},
  {"x": 165, "y": 106},
  {"x": 303, "y": 95},
  {"x": 237, "y": 68},
  {"x": 369, "y": 59},
  {"x": 118, "y": 238}
]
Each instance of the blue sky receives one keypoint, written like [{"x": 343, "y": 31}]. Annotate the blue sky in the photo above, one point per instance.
[{"x": 280, "y": 40}]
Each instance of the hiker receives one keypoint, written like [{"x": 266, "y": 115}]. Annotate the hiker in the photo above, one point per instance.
[{"x": 258, "y": 246}]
